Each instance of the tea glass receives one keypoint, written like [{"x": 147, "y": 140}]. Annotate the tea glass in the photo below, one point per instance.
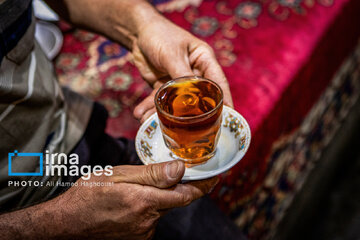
[{"x": 190, "y": 114}]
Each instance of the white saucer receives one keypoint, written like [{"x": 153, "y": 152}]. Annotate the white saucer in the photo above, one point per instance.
[{"x": 233, "y": 143}]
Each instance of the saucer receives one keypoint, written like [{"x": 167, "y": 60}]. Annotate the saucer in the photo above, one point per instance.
[{"x": 233, "y": 143}]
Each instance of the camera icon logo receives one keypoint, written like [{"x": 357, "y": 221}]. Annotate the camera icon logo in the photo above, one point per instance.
[{"x": 24, "y": 155}]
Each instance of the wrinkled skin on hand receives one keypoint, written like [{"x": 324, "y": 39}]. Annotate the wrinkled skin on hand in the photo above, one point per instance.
[
  {"x": 132, "y": 206},
  {"x": 164, "y": 51}
]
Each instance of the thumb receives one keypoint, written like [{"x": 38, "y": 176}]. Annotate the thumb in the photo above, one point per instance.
[{"x": 161, "y": 175}]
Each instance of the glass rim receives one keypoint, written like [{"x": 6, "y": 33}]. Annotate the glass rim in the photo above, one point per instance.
[{"x": 206, "y": 114}]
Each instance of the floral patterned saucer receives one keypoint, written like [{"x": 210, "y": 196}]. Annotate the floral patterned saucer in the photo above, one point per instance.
[{"x": 233, "y": 143}]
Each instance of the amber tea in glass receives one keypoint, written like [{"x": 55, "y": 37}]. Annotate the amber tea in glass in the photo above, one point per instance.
[{"x": 189, "y": 110}]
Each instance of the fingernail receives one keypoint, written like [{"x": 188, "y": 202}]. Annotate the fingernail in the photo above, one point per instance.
[{"x": 173, "y": 169}]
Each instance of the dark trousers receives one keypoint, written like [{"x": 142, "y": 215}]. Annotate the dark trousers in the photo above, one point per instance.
[{"x": 200, "y": 220}]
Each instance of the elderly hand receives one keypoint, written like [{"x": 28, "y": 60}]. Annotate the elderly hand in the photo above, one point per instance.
[
  {"x": 131, "y": 207},
  {"x": 161, "y": 50},
  {"x": 127, "y": 209},
  {"x": 164, "y": 51}
]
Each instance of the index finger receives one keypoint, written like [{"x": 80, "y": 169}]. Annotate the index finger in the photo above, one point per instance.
[
  {"x": 215, "y": 73},
  {"x": 205, "y": 61}
]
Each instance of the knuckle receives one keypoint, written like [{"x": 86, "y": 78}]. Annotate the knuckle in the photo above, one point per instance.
[
  {"x": 153, "y": 172},
  {"x": 138, "y": 111},
  {"x": 186, "y": 199},
  {"x": 208, "y": 48},
  {"x": 139, "y": 207},
  {"x": 104, "y": 190}
]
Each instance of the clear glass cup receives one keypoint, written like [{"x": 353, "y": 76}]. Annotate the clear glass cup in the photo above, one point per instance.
[{"x": 190, "y": 114}]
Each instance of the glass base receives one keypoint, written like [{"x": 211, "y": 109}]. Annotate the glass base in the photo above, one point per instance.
[{"x": 197, "y": 161}]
